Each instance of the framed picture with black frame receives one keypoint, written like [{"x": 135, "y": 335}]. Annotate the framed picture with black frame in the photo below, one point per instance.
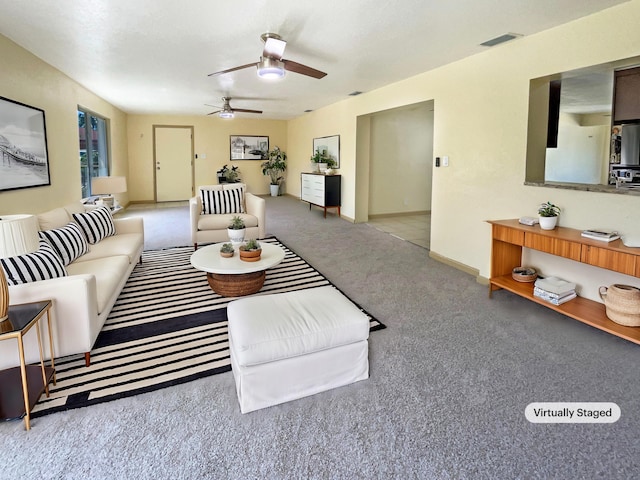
[
  {"x": 248, "y": 147},
  {"x": 24, "y": 162}
]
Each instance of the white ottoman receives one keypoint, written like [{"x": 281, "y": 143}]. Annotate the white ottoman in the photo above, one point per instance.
[{"x": 290, "y": 345}]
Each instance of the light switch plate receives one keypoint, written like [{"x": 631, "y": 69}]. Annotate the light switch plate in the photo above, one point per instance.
[{"x": 445, "y": 161}]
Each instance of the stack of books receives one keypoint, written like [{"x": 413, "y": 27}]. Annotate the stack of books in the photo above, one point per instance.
[
  {"x": 602, "y": 235},
  {"x": 554, "y": 290}
]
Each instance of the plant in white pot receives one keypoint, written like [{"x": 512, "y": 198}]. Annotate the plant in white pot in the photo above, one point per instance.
[
  {"x": 274, "y": 167},
  {"x": 548, "y": 215},
  {"x": 236, "y": 230}
]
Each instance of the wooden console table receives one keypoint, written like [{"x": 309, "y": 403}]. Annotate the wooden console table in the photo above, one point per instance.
[{"x": 508, "y": 238}]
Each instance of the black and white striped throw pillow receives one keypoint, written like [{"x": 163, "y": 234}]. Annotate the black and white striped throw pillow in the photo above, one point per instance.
[
  {"x": 96, "y": 224},
  {"x": 223, "y": 201},
  {"x": 40, "y": 265},
  {"x": 68, "y": 242}
]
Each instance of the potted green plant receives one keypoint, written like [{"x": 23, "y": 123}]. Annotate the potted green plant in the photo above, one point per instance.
[
  {"x": 548, "y": 215},
  {"x": 318, "y": 161},
  {"x": 236, "y": 230},
  {"x": 226, "y": 250},
  {"x": 250, "y": 251},
  {"x": 274, "y": 167}
]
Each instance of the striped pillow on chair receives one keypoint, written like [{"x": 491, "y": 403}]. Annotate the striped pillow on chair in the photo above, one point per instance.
[{"x": 223, "y": 201}]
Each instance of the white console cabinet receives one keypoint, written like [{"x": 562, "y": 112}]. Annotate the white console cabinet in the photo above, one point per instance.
[{"x": 321, "y": 190}]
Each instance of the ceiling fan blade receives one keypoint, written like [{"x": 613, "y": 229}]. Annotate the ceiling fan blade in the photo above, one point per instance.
[
  {"x": 243, "y": 110},
  {"x": 302, "y": 69},
  {"x": 233, "y": 69},
  {"x": 213, "y": 113},
  {"x": 274, "y": 48}
]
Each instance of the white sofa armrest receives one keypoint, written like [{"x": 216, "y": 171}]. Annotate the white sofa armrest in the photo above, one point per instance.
[
  {"x": 74, "y": 314},
  {"x": 129, "y": 225},
  {"x": 256, "y": 206}
]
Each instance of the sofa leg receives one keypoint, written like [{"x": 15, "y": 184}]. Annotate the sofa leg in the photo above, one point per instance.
[
  {"x": 195, "y": 246},
  {"x": 87, "y": 358}
]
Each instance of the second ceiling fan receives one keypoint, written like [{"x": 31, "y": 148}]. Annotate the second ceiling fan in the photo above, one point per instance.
[
  {"x": 227, "y": 112},
  {"x": 271, "y": 64}
]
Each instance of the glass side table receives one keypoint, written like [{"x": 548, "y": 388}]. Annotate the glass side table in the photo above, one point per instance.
[{"x": 21, "y": 387}]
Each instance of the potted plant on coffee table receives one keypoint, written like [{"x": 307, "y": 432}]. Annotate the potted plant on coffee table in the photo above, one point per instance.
[
  {"x": 250, "y": 251},
  {"x": 548, "y": 215},
  {"x": 226, "y": 250},
  {"x": 236, "y": 230},
  {"x": 274, "y": 167}
]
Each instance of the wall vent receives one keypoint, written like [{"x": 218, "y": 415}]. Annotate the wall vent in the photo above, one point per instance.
[{"x": 353, "y": 94}]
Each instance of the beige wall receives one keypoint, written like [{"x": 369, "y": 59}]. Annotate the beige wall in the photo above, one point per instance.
[
  {"x": 211, "y": 138},
  {"x": 400, "y": 160},
  {"x": 480, "y": 122},
  {"x": 27, "y": 79}
]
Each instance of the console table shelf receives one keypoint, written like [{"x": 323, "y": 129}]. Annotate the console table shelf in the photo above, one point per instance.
[{"x": 508, "y": 239}]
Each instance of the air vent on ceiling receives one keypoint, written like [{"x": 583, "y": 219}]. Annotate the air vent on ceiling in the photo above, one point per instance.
[
  {"x": 501, "y": 39},
  {"x": 307, "y": 111},
  {"x": 353, "y": 94}
]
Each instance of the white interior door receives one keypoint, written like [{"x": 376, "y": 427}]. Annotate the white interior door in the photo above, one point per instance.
[{"x": 173, "y": 163}]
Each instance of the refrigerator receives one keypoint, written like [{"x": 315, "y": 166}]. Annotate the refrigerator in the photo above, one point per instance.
[{"x": 630, "y": 148}]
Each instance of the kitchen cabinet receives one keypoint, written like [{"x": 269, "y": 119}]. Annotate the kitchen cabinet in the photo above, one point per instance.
[
  {"x": 321, "y": 190},
  {"x": 626, "y": 95}
]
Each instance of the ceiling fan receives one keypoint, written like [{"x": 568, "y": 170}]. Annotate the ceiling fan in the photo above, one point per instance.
[
  {"x": 227, "y": 112},
  {"x": 271, "y": 64}
]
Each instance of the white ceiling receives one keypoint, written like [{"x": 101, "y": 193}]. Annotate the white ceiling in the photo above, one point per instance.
[{"x": 153, "y": 56}]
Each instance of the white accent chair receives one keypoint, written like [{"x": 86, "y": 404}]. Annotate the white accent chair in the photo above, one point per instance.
[{"x": 212, "y": 228}]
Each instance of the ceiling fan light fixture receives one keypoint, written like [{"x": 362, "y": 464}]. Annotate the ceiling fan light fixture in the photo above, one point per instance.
[
  {"x": 225, "y": 114},
  {"x": 270, "y": 68}
]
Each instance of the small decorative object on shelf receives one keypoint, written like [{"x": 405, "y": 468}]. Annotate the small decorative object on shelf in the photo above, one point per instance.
[
  {"x": 228, "y": 175},
  {"x": 524, "y": 274},
  {"x": 602, "y": 235},
  {"x": 227, "y": 250},
  {"x": 236, "y": 230},
  {"x": 548, "y": 215},
  {"x": 554, "y": 290},
  {"x": 250, "y": 251}
]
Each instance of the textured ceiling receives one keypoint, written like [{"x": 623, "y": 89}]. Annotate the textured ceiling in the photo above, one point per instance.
[{"x": 153, "y": 56}]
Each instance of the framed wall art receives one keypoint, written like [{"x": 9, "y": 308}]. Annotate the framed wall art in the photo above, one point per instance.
[
  {"x": 329, "y": 147},
  {"x": 24, "y": 162},
  {"x": 247, "y": 147}
]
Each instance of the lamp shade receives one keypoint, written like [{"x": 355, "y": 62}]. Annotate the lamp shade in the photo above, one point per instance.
[
  {"x": 108, "y": 185},
  {"x": 18, "y": 235}
]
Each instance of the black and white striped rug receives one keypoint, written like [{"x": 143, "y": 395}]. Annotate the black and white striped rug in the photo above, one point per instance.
[{"x": 167, "y": 327}]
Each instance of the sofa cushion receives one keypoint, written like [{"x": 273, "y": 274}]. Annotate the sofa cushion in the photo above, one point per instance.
[
  {"x": 221, "y": 222},
  {"x": 223, "y": 201},
  {"x": 68, "y": 242},
  {"x": 109, "y": 273},
  {"x": 56, "y": 218},
  {"x": 96, "y": 224},
  {"x": 42, "y": 264},
  {"x": 128, "y": 244}
]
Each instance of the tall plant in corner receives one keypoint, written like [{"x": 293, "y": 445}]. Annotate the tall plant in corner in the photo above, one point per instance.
[{"x": 274, "y": 167}]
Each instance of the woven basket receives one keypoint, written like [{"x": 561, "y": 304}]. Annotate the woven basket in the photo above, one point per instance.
[
  {"x": 622, "y": 304},
  {"x": 236, "y": 285},
  {"x": 524, "y": 274}
]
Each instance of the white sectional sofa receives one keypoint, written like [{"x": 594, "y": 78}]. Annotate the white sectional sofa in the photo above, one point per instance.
[{"x": 83, "y": 298}]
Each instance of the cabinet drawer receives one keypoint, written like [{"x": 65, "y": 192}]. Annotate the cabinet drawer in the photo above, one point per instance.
[
  {"x": 609, "y": 259},
  {"x": 553, "y": 245},
  {"x": 508, "y": 235}
]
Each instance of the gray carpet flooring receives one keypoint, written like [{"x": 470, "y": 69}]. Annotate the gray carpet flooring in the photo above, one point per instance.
[{"x": 450, "y": 379}]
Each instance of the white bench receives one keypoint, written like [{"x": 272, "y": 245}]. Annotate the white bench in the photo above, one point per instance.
[{"x": 291, "y": 345}]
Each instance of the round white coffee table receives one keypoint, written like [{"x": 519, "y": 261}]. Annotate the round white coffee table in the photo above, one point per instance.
[{"x": 232, "y": 277}]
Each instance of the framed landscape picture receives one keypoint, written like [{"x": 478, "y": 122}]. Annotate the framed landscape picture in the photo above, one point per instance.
[
  {"x": 24, "y": 162},
  {"x": 247, "y": 147},
  {"x": 330, "y": 147}
]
